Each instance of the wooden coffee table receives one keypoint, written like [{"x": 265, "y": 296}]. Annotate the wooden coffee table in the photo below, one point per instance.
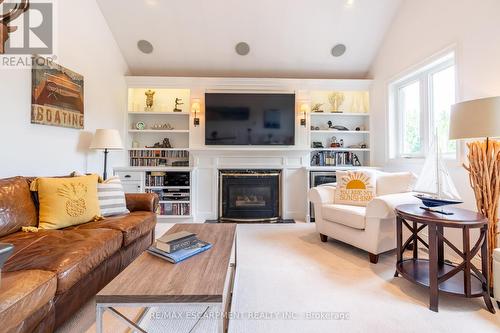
[{"x": 205, "y": 279}]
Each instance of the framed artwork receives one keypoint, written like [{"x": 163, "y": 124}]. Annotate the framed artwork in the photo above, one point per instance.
[{"x": 56, "y": 96}]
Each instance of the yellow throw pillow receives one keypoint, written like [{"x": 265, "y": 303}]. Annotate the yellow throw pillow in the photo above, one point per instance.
[
  {"x": 67, "y": 201},
  {"x": 355, "y": 188}
]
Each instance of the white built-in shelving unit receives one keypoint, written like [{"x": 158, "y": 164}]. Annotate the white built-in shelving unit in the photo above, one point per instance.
[
  {"x": 353, "y": 114},
  {"x": 146, "y": 162},
  {"x": 187, "y": 139}
]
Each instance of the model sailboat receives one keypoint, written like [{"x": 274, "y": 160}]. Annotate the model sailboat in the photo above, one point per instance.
[{"x": 435, "y": 185}]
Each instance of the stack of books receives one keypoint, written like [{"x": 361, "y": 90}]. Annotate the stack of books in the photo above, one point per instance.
[{"x": 178, "y": 246}]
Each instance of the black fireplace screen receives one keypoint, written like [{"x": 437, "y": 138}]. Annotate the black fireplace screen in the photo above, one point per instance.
[{"x": 249, "y": 194}]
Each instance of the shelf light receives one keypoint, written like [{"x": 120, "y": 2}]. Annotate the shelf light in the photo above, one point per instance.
[{"x": 195, "y": 108}]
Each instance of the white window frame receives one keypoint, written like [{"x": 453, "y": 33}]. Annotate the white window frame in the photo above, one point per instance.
[{"x": 423, "y": 75}]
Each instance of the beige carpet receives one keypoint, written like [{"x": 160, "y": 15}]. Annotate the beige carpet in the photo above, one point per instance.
[
  {"x": 288, "y": 281},
  {"x": 287, "y": 269}
]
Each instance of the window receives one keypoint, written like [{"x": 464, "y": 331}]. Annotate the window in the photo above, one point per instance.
[{"x": 420, "y": 110}]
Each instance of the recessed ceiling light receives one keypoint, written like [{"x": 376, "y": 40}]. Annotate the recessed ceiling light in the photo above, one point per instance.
[
  {"x": 349, "y": 3},
  {"x": 338, "y": 50},
  {"x": 242, "y": 48},
  {"x": 144, "y": 46}
]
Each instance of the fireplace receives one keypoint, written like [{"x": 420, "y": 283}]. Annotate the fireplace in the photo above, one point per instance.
[{"x": 249, "y": 195}]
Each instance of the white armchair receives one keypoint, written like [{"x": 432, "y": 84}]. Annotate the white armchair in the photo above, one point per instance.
[{"x": 371, "y": 228}]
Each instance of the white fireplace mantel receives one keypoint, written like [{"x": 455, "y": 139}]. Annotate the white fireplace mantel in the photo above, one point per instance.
[{"x": 291, "y": 161}]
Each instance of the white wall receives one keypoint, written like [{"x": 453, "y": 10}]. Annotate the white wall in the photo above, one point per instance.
[
  {"x": 420, "y": 30},
  {"x": 86, "y": 46},
  {"x": 423, "y": 28}
]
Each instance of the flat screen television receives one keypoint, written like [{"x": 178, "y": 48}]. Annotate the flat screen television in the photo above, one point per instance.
[{"x": 249, "y": 119}]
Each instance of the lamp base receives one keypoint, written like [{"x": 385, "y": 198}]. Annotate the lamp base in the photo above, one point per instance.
[
  {"x": 105, "y": 172},
  {"x": 484, "y": 170}
]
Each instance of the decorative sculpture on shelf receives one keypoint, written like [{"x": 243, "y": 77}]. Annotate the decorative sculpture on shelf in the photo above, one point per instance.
[
  {"x": 6, "y": 18},
  {"x": 165, "y": 126},
  {"x": 334, "y": 143},
  {"x": 359, "y": 146},
  {"x": 355, "y": 160},
  {"x": 149, "y": 99},
  {"x": 178, "y": 101},
  {"x": 164, "y": 144},
  {"x": 317, "y": 107},
  {"x": 336, "y": 127},
  {"x": 336, "y": 99}
]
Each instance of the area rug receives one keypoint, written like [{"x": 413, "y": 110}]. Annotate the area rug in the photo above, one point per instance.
[
  {"x": 295, "y": 283},
  {"x": 288, "y": 281}
]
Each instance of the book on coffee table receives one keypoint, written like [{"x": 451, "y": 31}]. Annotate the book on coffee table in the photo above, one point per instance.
[
  {"x": 176, "y": 241},
  {"x": 181, "y": 254}
]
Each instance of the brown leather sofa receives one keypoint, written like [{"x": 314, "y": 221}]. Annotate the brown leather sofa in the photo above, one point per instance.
[{"x": 52, "y": 273}]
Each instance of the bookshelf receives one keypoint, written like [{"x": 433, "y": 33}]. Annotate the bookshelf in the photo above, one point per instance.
[
  {"x": 149, "y": 126},
  {"x": 353, "y": 146},
  {"x": 152, "y": 163}
]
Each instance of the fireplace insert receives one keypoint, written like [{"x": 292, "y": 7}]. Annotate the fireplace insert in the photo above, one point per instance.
[{"x": 249, "y": 195}]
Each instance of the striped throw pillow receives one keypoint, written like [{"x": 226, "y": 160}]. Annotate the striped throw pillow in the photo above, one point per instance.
[{"x": 112, "y": 197}]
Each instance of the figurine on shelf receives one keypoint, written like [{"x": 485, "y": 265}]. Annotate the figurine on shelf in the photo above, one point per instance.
[
  {"x": 317, "y": 144},
  {"x": 341, "y": 143},
  {"x": 317, "y": 107},
  {"x": 334, "y": 143},
  {"x": 178, "y": 101},
  {"x": 165, "y": 126},
  {"x": 164, "y": 144},
  {"x": 355, "y": 160},
  {"x": 336, "y": 127},
  {"x": 359, "y": 146},
  {"x": 315, "y": 160},
  {"x": 336, "y": 99},
  {"x": 149, "y": 99}
]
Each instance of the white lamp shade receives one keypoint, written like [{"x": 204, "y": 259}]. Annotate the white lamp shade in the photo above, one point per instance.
[
  {"x": 478, "y": 118},
  {"x": 106, "y": 139}
]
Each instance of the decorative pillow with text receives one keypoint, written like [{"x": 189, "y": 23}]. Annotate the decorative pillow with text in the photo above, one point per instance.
[{"x": 355, "y": 188}]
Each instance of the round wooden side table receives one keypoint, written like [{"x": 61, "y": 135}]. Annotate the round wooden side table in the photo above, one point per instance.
[{"x": 463, "y": 279}]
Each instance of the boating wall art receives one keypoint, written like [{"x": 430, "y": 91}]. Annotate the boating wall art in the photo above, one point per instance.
[{"x": 57, "y": 96}]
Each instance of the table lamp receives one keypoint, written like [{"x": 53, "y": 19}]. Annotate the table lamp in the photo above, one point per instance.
[
  {"x": 480, "y": 119},
  {"x": 106, "y": 139}
]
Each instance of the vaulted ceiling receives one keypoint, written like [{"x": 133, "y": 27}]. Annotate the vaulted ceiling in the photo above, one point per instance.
[{"x": 287, "y": 38}]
